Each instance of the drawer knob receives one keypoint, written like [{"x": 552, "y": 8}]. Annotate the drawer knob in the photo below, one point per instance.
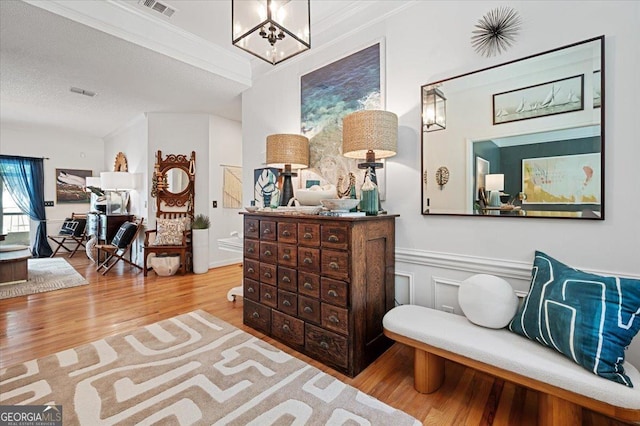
[
  {"x": 267, "y": 295},
  {"x": 268, "y": 275},
  {"x": 255, "y": 315},
  {"x": 324, "y": 345},
  {"x": 333, "y": 239},
  {"x": 334, "y": 319},
  {"x": 252, "y": 229},
  {"x": 250, "y": 250},
  {"x": 250, "y": 270},
  {"x": 286, "y": 256},
  {"x": 332, "y": 293},
  {"x": 267, "y": 253},
  {"x": 286, "y": 303},
  {"x": 286, "y": 328},
  {"x": 307, "y": 236},
  {"x": 250, "y": 290},
  {"x": 308, "y": 286},
  {"x": 267, "y": 231},
  {"x": 307, "y": 261},
  {"x": 286, "y": 279},
  {"x": 286, "y": 233},
  {"x": 334, "y": 265},
  {"x": 308, "y": 309}
]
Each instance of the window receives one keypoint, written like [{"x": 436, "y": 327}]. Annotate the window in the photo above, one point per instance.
[{"x": 15, "y": 224}]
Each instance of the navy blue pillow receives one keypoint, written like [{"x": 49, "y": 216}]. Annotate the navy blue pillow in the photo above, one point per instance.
[{"x": 589, "y": 318}]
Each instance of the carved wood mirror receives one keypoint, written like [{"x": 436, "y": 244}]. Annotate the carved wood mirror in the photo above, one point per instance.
[
  {"x": 174, "y": 182},
  {"x": 534, "y": 126}
]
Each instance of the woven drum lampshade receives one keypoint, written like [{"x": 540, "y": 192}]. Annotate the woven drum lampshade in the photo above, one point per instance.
[
  {"x": 370, "y": 130},
  {"x": 284, "y": 149}
]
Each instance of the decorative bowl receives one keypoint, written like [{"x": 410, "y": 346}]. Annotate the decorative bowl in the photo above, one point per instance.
[
  {"x": 251, "y": 209},
  {"x": 312, "y": 196},
  {"x": 340, "y": 204}
]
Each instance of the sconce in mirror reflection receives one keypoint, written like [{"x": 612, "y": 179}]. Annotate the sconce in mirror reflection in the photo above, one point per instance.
[
  {"x": 442, "y": 176},
  {"x": 434, "y": 111}
]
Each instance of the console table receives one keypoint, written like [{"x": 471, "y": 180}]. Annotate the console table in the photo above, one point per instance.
[{"x": 321, "y": 285}]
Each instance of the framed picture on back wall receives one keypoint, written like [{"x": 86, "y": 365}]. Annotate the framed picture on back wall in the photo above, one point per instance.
[{"x": 70, "y": 186}]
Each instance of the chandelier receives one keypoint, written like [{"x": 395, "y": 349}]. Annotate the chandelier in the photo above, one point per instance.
[{"x": 272, "y": 30}]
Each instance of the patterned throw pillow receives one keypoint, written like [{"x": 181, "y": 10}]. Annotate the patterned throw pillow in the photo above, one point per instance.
[
  {"x": 589, "y": 318},
  {"x": 169, "y": 232}
]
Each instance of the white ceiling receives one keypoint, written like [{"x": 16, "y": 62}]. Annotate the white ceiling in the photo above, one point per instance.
[{"x": 136, "y": 59}]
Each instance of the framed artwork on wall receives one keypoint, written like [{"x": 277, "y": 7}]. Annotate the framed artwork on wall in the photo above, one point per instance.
[
  {"x": 327, "y": 95},
  {"x": 70, "y": 186},
  {"x": 554, "y": 97}
]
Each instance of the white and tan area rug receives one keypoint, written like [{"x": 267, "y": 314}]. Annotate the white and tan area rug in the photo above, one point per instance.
[
  {"x": 44, "y": 275},
  {"x": 190, "y": 369}
]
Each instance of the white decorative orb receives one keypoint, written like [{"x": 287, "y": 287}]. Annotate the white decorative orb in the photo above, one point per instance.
[{"x": 487, "y": 300}]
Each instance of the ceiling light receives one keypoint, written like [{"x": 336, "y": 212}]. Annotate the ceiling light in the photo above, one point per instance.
[{"x": 272, "y": 30}]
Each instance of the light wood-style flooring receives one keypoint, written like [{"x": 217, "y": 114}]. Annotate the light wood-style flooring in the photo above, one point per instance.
[{"x": 41, "y": 324}]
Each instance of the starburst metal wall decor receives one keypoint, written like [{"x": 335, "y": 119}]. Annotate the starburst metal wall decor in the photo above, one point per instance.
[{"x": 496, "y": 31}]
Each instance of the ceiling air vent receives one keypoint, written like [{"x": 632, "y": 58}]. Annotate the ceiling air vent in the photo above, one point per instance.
[
  {"x": 82, "y": 91},
  {"x": 159, "y": 7}
]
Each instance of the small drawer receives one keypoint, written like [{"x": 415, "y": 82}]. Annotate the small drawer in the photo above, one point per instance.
[
  {"x": 252, "y": 269},
  {"x": 268, "y": 252},
  {"x": 288, "y": 255},
  {"x": 287, "y": 232},
  {"x": 251, "y": 228},
  {"x": 309, "y": 309},
  {"x": 257, "y": 316},
  {"x": 268, "y": 273},
  {"x": 309, "y": 284},
  {"x": 288, "y": 302},
  {"x": 326, "y": 346},
  {"x": 334, "y": 318},
  {"x": 268, "y": 295},
  {"x": 287, "y": 279},
  {"x": 334, "y": 236},
  {"x": 288, "y": 329},
  {"x": 309, "y": 259},
  {"x": 309, "y": 234},
  {"x": 334, "y": 292},
  {"x": 268, "y": 230},
  {"x": 252, "y": 249},
  {"x": 335, "y": 264},
  {"x": 251, "y": 289}
]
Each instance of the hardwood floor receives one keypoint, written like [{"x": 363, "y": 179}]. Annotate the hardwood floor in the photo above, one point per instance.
[{"x": 37, "y": 325}]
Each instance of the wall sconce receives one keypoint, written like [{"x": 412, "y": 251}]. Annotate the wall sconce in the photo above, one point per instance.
[
  {"x": 272, "y": 30},
  {"x": 434, "y": 110},
  {"x": 494, "y": 183},
  {"x": 286, "y": 151},
  {"x": 370, "y": 134}
]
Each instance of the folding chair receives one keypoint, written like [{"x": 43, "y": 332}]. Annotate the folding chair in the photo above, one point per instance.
[
  {"x": 120, "y": 245},
  {"x": 73, "y": 231}
]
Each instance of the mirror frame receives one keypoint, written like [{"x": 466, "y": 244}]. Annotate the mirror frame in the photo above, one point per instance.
[{"x": 470, "y": 175}]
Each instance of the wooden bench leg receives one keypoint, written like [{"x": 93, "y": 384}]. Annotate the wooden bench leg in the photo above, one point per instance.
[
  {"x": 557, "y": 411},
  {"x": 428, "y": 371}
]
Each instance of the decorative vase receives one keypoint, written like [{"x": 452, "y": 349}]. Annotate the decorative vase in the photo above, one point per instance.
[{"x": 200, "y": 246}]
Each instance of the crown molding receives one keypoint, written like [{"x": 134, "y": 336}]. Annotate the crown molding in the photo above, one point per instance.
[{"x": 123, "y": 21}]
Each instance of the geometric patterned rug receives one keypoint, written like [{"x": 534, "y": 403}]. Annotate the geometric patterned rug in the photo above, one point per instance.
[
  {"x": 190, "y": 369},
  {"x": 44, "y": 275}
]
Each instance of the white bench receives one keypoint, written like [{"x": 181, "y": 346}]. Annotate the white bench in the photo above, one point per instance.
[{"x": 564, "y": 386}]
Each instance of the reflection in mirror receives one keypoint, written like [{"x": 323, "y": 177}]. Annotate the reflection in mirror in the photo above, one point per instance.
[
  {"x": 177, "y": 180},
  {"x": 534, "y": 125}
]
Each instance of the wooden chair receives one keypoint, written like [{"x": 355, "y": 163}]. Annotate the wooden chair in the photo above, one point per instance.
[
  {"x": 120, "y": 245},
  {"x": 73, "y": 231},
  {"x": 173, "y": 187}
]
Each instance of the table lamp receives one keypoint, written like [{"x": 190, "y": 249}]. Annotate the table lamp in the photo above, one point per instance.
[
  {"x": 370, "y": 134},
  {"x": 494, "y": 183},
  {"x": 120, "y": 183},
  {"x": 287, "y": 151}
]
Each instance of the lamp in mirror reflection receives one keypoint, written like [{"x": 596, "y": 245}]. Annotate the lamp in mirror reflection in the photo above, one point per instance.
[
  {"x": 494, "y": 183},
  {"x": 287, "y": 151},
  {"x": 272, "y": 30},
  {"x": 434, "y": 113}
]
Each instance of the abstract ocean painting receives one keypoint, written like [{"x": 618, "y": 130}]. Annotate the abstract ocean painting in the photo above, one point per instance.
[{"x": 330, "y": 93}]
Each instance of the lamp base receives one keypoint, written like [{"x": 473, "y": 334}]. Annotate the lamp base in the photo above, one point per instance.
[
  {"x": 494, "y": 199},
  {"x": 287, "y": 186},
  {"x": 372, "y": 166}
]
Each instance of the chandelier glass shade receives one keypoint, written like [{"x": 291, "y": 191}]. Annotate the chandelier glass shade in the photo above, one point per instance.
[{"x": 272, "y": 30}]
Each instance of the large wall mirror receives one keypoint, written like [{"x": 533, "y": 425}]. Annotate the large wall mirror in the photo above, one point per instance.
[{"x": 520, "y": 139}]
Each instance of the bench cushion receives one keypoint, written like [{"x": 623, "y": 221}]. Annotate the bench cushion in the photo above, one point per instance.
[
  {"x": 509, "y": 351},
  {"x": 589, "y": 318}
]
